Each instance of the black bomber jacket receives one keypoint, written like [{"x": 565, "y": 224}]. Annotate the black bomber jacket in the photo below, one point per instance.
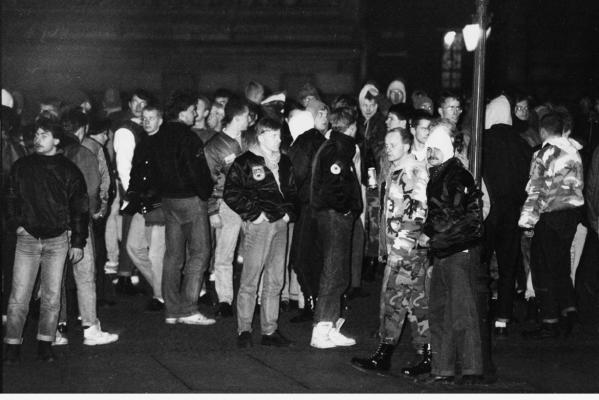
[
  {"x": 47, "y": 196},
  {"x": 251, "y": 188}
]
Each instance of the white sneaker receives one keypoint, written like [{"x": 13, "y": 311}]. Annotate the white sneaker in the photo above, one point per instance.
[
  {"x": 94, "y": 335},
  {"x": 61, "y": 338},
  {"x": 196, "y": 319},
  {"x": 320, "y": 336},
  {"x": 338, "y": 338},
  {"x": 170, "y": 321},
  {"x": 111, "y": 267}
]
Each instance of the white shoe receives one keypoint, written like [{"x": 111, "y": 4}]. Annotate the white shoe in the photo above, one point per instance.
[
  {"x": 94, "y": 336},
  {"x": 338, "y": 338},
  {"x": 196, "y": 319},
  {"x": 61, "y": 338},
  {"x": 111, "y": 267},
  {"x": 170, "y": 321},
  {"x": 320, "y": 336}
]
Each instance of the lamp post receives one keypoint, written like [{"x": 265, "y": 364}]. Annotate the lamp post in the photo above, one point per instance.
[{"x": 475, "y": 34}]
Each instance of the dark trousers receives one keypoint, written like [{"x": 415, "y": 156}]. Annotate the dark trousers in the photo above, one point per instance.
[
  {"x": 357, "y": 254},
  {"x": 502, "y": 236},
  {"x": 306, "y": 252},
  {"x": 335, "y": 234},
  {"x": 587, "y": 280},
  {"x": 125, "y": 264},
  {"x": 550, "y": 262},
  {"x": 454, "y": 315},
  {"x": 187, "y": 233}
]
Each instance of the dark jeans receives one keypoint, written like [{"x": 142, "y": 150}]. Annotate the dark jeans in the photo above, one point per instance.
[
  {"x": 335, "y": 234},
  {"x": 454, "y": 315},
  {"x": 502, "y": 236},
  {"x": 125, "y": 264},
  {"x": 187, "y": 228},
  {"x": 357, "y": 253},
  {"x": 587, "y": 280},
  {"x": 550, "y": 262},
  {"x": 9, "y": 243},
  {"x": 306, "y": 252}
]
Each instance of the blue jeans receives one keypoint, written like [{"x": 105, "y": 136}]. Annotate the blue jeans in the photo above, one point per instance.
[
  {"x": 84, "y": 273},
  {"x": 30, "y": 255},
  {"x": 335, "y": 234},
  {"x": 453, "y": 315},
  {"x": 186, "y": 228},
  {"x": 224, "y": 252},
  {"x": 265, "y": 245}
]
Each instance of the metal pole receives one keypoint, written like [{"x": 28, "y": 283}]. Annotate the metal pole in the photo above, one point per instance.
[{"x": 478, "y": 90}]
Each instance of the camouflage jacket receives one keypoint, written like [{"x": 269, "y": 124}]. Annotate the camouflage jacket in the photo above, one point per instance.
[
  {"x": 555, "y": 183},
  {"x": 403, "y": 209}
]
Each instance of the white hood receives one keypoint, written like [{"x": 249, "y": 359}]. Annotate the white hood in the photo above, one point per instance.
[
  {"x": 441, "y": 140},
  {"x": 498, "y": 112},
  {"x": 300, "y": 122}
]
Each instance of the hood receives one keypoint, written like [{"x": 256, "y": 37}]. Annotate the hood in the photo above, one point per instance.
[
  {"x": 7, "y": 99},
  {"x": 369, "y": 87},
  {"x": 442, "y": 141},
  {"x": 498, "y": 112},
  {"x": 565, "y": 144},
  {"x": 300, "y": 122},
  {"x": 397, "y": 85}
]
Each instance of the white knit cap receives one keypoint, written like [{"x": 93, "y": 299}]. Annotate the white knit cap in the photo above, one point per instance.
[
  {"x": 300, "y": 122},
  {"x": 439, "y": 138},
  {"x": 7, "y": 99}
]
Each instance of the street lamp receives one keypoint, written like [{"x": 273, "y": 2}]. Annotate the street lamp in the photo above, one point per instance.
[{"x": 475, "y": 40}]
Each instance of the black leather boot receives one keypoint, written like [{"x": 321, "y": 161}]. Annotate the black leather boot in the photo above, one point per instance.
[
  {"x": 12, "y": 354},
  {"x": 379, "y": 361},
  {"x": 307, "y": 313},
  {"x": 424, "y": 366},
  {"x": 44, "y": 351}
]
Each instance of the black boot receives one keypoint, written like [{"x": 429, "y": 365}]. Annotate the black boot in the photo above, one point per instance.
[
  {"x": 12, "y": 354},
  {"x": 545, "y": 331},
  {"x": 379, "y": 361},
  {"x": 44, "y": 351},
  {"x": 424, "y": 366},
  {"x": 307, "y": 313}
]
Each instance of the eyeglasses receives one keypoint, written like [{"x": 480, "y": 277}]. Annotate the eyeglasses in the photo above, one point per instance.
[
  {"x": 521, "y": 108},
  {"x": 454, "y": 108}
]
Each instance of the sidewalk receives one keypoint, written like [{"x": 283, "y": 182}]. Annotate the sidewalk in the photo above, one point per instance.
[{"x": 152, "y": 357}]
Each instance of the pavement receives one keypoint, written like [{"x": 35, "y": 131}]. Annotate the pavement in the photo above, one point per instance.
[{"x": 152, "y": 357}]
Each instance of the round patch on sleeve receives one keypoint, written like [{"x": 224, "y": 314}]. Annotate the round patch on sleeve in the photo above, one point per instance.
[{"x": 335, "y": 169}]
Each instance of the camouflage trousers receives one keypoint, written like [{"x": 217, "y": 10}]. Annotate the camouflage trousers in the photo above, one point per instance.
[
  {"x": 372, "y": 208},
  {"x": 404, "y": 296}
]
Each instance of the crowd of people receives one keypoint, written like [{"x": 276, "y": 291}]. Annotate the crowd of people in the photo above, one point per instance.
[{"x": 310, "y": 198}]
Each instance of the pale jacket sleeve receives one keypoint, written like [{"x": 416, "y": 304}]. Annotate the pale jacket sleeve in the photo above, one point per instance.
[
  {"x": 124, "y": 146},
  {"x": 531, "y": 210}
]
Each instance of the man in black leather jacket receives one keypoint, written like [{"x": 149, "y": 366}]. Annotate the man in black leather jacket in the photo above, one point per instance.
[
  {"x": 454, "y": 226},
  {"x": 47, "y": 198},
  {"x": 260, "y": 187}
]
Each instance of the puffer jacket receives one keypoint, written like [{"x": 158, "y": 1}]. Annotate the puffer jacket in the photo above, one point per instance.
[
  {"x": 221, "y": 150},
  {"x": 251, "y": 188},
  {"x": 454, "y": 220},
  {"x": 47, "y": 196}
]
